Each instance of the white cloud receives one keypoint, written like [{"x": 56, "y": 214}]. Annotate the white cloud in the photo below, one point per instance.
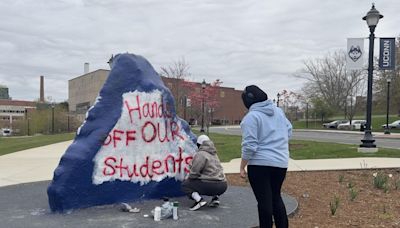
[{"x": 239, "y": 42}]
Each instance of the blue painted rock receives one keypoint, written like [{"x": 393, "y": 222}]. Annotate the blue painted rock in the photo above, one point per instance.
[{"x": 132, "y": 145}]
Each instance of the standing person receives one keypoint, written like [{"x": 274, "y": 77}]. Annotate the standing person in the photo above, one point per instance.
[
  {"x": 206, "y": 175},
  {"x": 265, "y": 152}
]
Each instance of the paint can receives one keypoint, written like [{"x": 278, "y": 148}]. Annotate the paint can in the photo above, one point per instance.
[
  {"x": 157, "y": 214},
  {"x": 175, "y": 210}
]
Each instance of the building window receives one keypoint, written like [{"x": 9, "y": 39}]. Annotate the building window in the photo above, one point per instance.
[
  {"x": 222, "y": 94},
  {"x": 81, "y": 108}
]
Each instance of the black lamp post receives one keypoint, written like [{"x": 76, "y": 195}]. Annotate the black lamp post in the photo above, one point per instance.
[
  {"x": 52, "y": 118},
  {"x": 28, "y": 126},
  {"x": 372, "y": 19},
  {"x": 387, "y": 130},
  {"x": 68, "y": 128},
  {"x": 27, "y": 119},
  {"x": 203, "y": 87},
  {"x": 184, "y": 106},
  {"x": 307, "y": 115},
  {"x": 277, "y": 101}
]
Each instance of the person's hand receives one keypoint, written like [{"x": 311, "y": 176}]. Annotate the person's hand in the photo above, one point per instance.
[{"x": 243, "y": 173}]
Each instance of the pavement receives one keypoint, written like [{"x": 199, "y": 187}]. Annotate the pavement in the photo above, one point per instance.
[{"x": 25, "y": 205}]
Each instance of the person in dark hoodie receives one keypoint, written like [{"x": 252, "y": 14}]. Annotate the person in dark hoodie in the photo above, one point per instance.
[
  {"x": 265, "y": 152},
  {"x": 206, "y": 175}
]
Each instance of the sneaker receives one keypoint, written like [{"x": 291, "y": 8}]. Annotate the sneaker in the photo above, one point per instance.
[
  {"x": 198, "y": 205},
  {"x": 214, "y": 202}
]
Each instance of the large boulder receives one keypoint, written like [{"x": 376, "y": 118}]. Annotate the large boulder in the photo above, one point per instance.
[{"x": 132, "y": 145}]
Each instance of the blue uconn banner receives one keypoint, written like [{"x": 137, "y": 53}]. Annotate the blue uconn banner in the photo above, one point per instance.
[{"x": 387, "y": 53}]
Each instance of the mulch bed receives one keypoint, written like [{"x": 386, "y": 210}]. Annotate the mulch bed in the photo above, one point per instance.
[{"x": 316, "y": 190}]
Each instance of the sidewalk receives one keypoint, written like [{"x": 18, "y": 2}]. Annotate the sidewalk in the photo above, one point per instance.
[
  {"x": 327, "y": 164},
  {"x": 38, "y": 164}
]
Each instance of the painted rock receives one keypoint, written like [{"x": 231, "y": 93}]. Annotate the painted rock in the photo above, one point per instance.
[{"x": 132, "y": 145}]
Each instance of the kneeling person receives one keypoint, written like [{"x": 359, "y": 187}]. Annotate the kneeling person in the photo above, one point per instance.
[{"x": 206, "y": 175}]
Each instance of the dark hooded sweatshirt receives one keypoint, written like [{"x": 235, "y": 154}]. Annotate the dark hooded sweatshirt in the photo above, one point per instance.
[{"x": 206, "y": 164}]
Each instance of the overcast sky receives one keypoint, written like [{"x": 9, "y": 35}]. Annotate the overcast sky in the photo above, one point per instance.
[{"x": 238, "y": 42}]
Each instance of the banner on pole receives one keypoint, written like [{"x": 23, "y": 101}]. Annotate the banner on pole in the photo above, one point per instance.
[
  {"x": 387, "y": 53},
  {"x": 355, "y": 53}
]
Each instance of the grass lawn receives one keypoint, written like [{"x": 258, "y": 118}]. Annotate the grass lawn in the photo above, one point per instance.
[
  {"x": 320, "y": 150},
  {"x": 13, "y": 144},
  {"x": 229, "y": 147},
  {"x": 312, "y": 124}
]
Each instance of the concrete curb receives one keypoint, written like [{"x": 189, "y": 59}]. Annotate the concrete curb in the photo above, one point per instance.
[{"x": 233, "y": 166}]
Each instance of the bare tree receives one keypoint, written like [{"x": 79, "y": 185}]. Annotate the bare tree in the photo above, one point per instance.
[
  {"x": 177, "y": 72},
  {"x": 291, "y": 102},
  {"x": 329, "y": 81},
  {"x": 352, "y": 104}
]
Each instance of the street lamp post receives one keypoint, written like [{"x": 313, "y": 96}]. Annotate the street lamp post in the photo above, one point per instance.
[
  {"x": 68, "y": 123},
  {"x": 277, "y": 101},
  {"x": 52, "y": 118},
  {"x": 307, "y": 115},
  {"x": 387, "y": 130},
  {"x": 203, "y": 87},
  {"x": 27, "y": 120},
  {"x": 372, "y": 19},
  {"x": 184, "y": 107},
  {"x": 28, "y": 126}
]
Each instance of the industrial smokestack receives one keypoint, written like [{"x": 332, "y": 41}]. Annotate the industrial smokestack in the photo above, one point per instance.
[
  {"x": 86, "y": 68},
  {"x": 41, "y": 89}
]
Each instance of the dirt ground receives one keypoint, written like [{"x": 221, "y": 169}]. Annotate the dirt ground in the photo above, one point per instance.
[{"x": 316, "y": 190}]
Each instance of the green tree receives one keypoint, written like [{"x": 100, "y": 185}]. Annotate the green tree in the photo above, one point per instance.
[{"x": 321, "y": 108}]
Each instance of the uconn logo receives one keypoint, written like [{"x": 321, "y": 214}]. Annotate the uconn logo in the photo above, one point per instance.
[
  {"x": 386, "y": 62},
  {"x": 355, "y": 53}
]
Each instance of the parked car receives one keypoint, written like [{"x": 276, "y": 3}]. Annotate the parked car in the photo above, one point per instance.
[
  {"x": 394, "y": 125},
  {"x": 6, "y": 132},
  {"x": 334, "y": 123},
  {"x": 355, "y": 125}
]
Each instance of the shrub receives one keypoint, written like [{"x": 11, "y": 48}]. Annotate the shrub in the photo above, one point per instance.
[
  {"x": 353, "y": 194},
  {"x": 334, "y": 204},
  {"x": 381, "y": 181}
]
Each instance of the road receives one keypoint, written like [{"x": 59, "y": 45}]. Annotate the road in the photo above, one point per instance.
[{"x": 324, "y": 136}]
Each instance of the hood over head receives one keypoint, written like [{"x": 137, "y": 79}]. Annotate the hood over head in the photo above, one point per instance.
[
  {"x": 208, "y": 146},
  {"x": 253, "y": 94}
]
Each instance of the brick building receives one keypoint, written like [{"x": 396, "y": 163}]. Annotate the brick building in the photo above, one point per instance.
[
  {"x": 83, "y": 90},
  {"x": 13, "y": 110}
]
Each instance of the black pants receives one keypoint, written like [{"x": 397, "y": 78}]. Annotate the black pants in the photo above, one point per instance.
[
  {"x": 208, "y": 188},
  {"x": 266, "y": 183}
]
